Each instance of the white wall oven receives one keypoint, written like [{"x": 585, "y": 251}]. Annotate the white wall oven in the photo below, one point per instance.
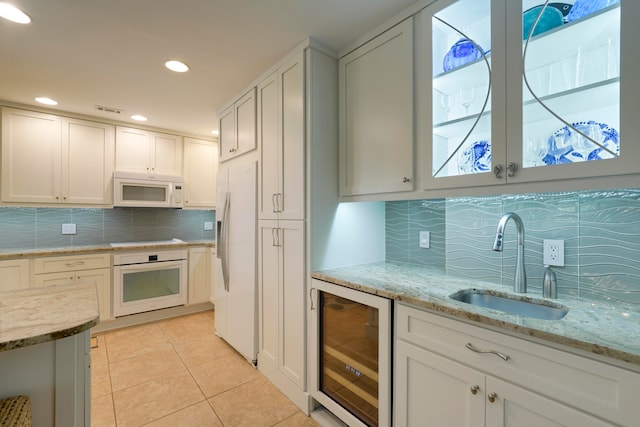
[
  {"x": 352, "y": 339},
  {"x": 150, "y": 280}
]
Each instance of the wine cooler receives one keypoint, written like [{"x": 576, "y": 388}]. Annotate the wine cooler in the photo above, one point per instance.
[{"x": 353, "y": 354}]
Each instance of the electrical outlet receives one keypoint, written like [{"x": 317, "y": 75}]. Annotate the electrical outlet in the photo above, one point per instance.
[
  {"x": 208, "y": 225},
  {"x": 68, "y": 229},
  {"x": 425, "y": 237},
  {"x": 553, "y": 252}
]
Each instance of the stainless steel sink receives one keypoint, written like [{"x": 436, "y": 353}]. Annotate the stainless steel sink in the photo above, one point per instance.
[{"x": 512, "y": 304}]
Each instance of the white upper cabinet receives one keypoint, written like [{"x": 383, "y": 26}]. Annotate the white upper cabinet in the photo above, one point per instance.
[
  {"x": 238, "y": 127},
  {"x": 146, "y": 152},
  {"x": 200, "y": 168},
  {"x": 511, "y": 102},
  {"x": 282, "y": 142},
  {"x": 50, "y": 159},
  {"x": 376, "y": 114},
  {"x": 87, "y": 161}
]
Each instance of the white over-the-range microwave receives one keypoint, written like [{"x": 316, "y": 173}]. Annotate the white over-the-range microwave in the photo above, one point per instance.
[{"x": 139, "y": 190}]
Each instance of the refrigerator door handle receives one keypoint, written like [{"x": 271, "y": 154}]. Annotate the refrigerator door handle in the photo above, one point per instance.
[{"x": 222, "y": 251}]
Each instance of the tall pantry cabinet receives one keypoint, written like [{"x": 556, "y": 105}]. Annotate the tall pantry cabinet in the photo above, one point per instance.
[{"x": 290, "y": 120}]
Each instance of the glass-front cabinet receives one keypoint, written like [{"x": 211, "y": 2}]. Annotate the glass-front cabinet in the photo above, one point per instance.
[
  {"x": 531, "y": 91},
  {"x": 462, "y": 91}
]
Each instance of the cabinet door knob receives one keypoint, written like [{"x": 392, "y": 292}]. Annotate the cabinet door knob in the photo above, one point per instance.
[
  {"x": 497, "y": 171},
  {"x": 492, "y": 397},
  {"x": 512, "y": 168},
  {"x": 475, "y": 389},
  {"x": 405, "y": 179}
]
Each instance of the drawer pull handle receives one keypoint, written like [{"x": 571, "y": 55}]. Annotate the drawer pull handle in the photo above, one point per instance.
[
  {"x": 492, "y": 397},
  {"x": 475, "y": 389},
  {"x": 74, "y": 264},
  {"x": 477, "y": 350}
]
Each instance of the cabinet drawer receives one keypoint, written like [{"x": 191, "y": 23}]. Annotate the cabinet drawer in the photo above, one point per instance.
[
  {"x": 71, "y": 263},
  {"x": 595, "y": 387}
]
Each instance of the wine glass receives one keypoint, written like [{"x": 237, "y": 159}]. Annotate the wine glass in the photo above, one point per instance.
[
  {"x": 582, "y": 145},
  {"x": 535, "y": 149},
  {"x": 446, "y": 101},
  {"x": 466, "y": 95}
]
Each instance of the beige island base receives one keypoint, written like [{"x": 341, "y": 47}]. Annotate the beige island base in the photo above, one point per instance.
[{"x": 45, "y": 351}]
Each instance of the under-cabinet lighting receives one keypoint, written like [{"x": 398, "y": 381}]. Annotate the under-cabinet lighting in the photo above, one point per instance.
[
  {"x": 13, "y": 14},
  {"x": 177, "y": 66},
  {"x": 215, "y": 132},
  {"x": 46, "y": 101},
  {"x": 139, "y": 118}
]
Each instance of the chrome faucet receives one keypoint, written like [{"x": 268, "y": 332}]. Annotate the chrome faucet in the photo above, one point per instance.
[{"x": 520, "y": 282}]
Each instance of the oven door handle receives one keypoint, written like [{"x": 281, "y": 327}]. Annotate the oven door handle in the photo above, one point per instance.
[{"x": 222, "y": 250}]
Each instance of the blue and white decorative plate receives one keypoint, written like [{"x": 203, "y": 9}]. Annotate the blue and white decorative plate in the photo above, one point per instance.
[
  {"x": 475, "y": 158},
  {"x": 582, "y": 8},
  {"x": 560, "y": 149},
  {"x": 459, "y": 54}
]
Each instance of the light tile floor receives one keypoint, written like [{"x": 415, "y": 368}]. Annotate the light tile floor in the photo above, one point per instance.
[{"x": 177, "y": 373}]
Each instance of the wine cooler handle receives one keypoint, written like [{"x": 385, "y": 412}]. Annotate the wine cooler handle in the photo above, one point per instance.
[{"x": 311, "y": 298}]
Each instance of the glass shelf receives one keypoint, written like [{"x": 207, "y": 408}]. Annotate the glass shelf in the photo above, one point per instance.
[{"x": 585, "y": 98}]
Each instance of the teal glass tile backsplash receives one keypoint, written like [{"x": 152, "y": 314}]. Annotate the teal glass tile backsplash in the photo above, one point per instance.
[
  {"x": 600, "y": 229},
  {"x": 38, "y": 228}
]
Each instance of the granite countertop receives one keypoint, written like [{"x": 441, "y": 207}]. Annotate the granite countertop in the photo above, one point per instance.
[
  {"x": 37, "y": 315},
  {"x": 80, "y": 250},
  {"x": 593, "y": 326}
]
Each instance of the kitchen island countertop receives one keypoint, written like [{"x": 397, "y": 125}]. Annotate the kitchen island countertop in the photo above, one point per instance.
[
  {"x": 38, "y": 315},
  {"x": 593, "y": 326}
]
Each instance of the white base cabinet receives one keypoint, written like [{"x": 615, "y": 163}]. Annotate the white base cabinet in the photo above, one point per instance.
[
  {"x": 440, "y": 381},
  {"x": 201, "y": 274},
  {"x": 53, "y": 271},
  {"x": 14, "y": 274}
]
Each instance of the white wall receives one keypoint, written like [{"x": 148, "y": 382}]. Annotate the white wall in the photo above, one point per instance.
[{"x": 356, "y": 236}]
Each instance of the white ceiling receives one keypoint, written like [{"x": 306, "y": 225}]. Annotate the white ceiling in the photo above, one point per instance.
[{"x": 84, "y": 53}]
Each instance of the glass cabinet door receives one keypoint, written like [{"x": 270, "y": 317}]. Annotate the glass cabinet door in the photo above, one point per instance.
[
  {"x": 570, "y": 85},
  {"x": 461, "y": 89}
]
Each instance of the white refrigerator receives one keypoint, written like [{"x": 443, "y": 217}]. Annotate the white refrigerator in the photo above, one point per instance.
[{"x": 236, "y": 287}]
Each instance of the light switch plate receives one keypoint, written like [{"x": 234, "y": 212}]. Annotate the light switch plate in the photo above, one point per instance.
[
  {"x": 425, "y": 237},
  {"x": 208, "y": 225},
  {"x": 68, "y": 229}
]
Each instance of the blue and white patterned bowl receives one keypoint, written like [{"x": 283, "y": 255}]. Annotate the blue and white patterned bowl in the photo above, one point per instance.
[
  {"x": 476, "y": 158},
  {"x": 582, "y": 8},
  {"x": 459, "y": 54}
]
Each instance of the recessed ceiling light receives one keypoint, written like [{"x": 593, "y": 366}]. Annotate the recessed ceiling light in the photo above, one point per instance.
[
  {"x": 46, "y": 101},
  {"x": 177, "y": 66},
  {"x": 139, "y": 118},
  {"x": 215, "y": 132},
  {"x": 13, "y": 14}
]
